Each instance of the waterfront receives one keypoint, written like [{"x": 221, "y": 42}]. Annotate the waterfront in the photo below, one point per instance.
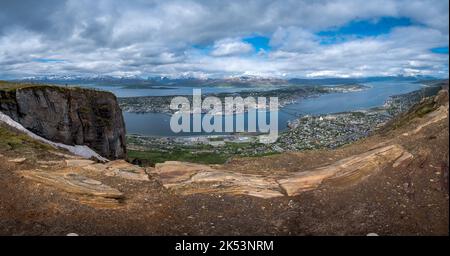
[
  {"x": 308, "y": 132},
  {"x": 158, "y": 124}
]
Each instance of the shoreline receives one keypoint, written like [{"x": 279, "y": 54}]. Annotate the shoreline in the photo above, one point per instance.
[
  {"x": 309, "y": 132},
  {"x": 287, "y": 95}
]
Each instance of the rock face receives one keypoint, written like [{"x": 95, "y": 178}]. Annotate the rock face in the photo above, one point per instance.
[{"x": 72, "y": 116}]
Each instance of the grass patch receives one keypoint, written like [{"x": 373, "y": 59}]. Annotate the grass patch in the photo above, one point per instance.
[
  {"x": 8, "y": 86},
  {"x": 153, "y": 157},
  {"x": 425, "y": 110},
  {"x": 12, "y": 86},
  {"x": 216, "y": 139},
  {"x": 266, "y": 154},
  {"x": 10, "y": 140},
  {"x": 240, "y": 145}
]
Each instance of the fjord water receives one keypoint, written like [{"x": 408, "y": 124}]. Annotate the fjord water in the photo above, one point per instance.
[
  {"x": 158, "y": 124},
  {"x": 374, "y": 96},
  {"x": 168, "y": 91}
]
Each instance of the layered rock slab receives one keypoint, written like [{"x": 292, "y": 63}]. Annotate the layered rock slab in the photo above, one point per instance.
[
  {"x": 123, "y": 169},
  {"x": 117, "y": 168},
  {"x": 69, "y": 178},
  {"x": 346, "y": 171},
  {"x": 188, "y": 178},
  {"x": 92, "y": 191}
]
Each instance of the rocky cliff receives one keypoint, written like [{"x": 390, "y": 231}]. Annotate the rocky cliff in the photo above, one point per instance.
[{"x": 72, "y": 116}]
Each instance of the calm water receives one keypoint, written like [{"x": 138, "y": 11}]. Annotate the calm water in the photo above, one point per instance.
[
  {"x": 123, "y": 92},
  {"x": 375, "y": 96},
  {"x": 157, "y": 124}
]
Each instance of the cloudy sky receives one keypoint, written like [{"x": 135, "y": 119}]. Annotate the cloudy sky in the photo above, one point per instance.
[{"x": 216, "y": 38}]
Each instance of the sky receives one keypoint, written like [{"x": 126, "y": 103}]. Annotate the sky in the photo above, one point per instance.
[{"x": 216, "y": 38}]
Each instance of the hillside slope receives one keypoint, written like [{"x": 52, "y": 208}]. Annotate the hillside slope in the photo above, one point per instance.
[{"x": 392, "y": 183}]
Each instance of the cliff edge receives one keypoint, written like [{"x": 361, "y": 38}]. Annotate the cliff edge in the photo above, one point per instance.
[{"x": 68, "y": 115}]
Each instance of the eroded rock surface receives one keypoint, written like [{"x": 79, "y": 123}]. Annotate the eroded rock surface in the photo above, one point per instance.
[
  {"x": 348, "y": 170},
  {"x": 72, "y": 176},
  {"x": 93, "y": 191},
  {"x": 124, "y": 170},
  {"x": 171, "y": 173},
  {"x": 78, "y": 162},
  {"x": 187, "y": 178},
  {"x": 119, "y": 168}
]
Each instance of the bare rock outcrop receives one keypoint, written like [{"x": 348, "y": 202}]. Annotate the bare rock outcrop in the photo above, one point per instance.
[
  {"x": 74, "y": 176},
  {"x": 117, "y": 168},
  {"x": 72, "y": 116},
  {"x": 346, "y": 171},
  {"x": 91, "y": 191},
  {"x": 187, "y": 178}
]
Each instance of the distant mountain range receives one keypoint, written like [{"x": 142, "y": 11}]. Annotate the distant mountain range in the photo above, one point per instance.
[{"x": 136, "y": 81}]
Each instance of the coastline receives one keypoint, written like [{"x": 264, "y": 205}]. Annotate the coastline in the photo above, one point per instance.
[{"x": 306, "y": 133}]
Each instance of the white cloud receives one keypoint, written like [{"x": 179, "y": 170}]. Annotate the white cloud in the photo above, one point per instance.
[
  {"x": 230, "y": 47},
  {"x": 157, "y": 37},
  {"x": 294, "y": 39}
]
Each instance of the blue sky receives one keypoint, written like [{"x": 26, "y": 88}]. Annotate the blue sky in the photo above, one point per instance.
[
  {"x": 43, "y": 60},
  {"x": 440, "y": 50},
  {"x": 259, "y": 42},
  {"x": 368, "y": 27},
  {"x": 341, "y": 38},
  {"x": 353, "y": 29}
]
